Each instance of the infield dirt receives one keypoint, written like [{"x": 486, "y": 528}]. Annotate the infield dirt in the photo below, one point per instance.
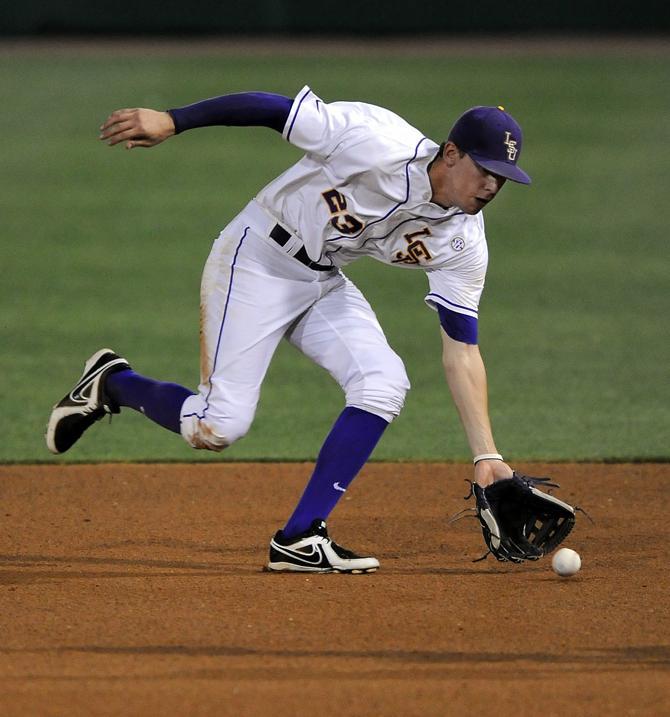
[{"x": 139, "y": 590}]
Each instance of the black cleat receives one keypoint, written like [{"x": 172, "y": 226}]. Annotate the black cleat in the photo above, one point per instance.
[
  {"x": 85, "y": 404},
  {"x": 314, "y": 552}
]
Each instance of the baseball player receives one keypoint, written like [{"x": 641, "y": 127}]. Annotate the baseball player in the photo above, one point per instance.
[{"x": 369, "y": 184}]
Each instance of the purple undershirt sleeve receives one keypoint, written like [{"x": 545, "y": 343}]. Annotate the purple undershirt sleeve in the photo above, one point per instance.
[
  {"x": 243, "y": 109},
  {"x": 459, "y": 327}
]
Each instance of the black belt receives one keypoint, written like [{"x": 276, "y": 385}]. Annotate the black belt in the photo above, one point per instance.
[{"x": 281, "y": 236}]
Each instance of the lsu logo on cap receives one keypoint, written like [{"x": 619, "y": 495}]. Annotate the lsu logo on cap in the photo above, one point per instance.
[{"x": 511, "y": 147}]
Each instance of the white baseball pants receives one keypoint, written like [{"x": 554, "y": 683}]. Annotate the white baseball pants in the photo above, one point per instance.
[{"x": 253, "y": 294}]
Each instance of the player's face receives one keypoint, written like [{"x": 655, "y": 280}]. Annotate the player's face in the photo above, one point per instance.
[{"x": 460, "y": 182}]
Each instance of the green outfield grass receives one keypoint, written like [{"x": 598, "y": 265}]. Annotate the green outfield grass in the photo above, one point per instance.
[{"x": 103, "y": 247}]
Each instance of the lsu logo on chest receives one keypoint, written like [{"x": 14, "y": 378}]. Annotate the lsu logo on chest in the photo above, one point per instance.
[{"x": 416, "y": 249}]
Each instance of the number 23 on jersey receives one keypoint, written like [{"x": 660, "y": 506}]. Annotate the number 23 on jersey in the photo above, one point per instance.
[{"x": 339, "y": 216}]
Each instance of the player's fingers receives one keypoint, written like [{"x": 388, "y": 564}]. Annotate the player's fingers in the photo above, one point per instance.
[
  {"x": 132, "y": 133},
  {"x": 114, "y": 129},
  {"x": 136, "y": 134},
  {"x": 118, "y": 116}
]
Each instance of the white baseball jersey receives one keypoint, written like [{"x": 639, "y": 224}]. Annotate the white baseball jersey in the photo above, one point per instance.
[{"x": 362, "y": 189}]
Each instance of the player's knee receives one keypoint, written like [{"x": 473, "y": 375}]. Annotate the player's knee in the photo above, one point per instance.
[
  {"x": 381, "y": 389},
  {"x": 215, "y": 433}
]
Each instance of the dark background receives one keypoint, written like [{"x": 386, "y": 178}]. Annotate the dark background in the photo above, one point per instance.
[{"x": 332, "y": 19}]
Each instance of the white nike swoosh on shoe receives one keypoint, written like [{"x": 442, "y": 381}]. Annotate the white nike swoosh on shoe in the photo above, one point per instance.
[
  {"x": 308, "y": 559},
  {"x": 337, "y": 486},
  {"x": 77, "y": 394}
]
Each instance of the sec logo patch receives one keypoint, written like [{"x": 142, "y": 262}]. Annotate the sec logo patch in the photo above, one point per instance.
[{"x": 458, "y": 243}]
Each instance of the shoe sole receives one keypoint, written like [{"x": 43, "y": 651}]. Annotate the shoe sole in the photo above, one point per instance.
[{"x": 289, "y": 568}]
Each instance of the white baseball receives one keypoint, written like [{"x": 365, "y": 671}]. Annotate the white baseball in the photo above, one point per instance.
[{"x": 566, "y": 562}]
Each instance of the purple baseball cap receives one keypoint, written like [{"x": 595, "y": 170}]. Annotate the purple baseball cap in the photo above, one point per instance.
[{"x": 492, "y": 138}]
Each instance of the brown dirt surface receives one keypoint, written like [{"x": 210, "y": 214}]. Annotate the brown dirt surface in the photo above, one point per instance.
[{"x": 139, "y": 590}]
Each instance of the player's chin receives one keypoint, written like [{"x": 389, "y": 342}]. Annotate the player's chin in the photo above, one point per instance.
[{"x": 474, "y": 207}]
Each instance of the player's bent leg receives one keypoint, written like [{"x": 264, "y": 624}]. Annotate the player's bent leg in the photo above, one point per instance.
[{"x": 108, "y": 384}]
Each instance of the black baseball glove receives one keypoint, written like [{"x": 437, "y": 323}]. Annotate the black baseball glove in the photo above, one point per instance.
[{"x": 520, "y": 522}]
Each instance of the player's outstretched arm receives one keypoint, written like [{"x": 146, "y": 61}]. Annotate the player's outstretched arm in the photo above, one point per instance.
[
  {"x": 466, "y": 375},
  {"x": 145, "y": 128},
  {"x": 138, "y": 127}
]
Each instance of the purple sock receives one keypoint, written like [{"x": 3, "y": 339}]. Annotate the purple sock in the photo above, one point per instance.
[
  {"x": 161, "y": 402},
  {"x": 346, "y": 449}
]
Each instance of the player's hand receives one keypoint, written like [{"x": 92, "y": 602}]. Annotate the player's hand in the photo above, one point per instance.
[
  {"x": 487, "y": 472},
  {"x": 137, "y": 127}
]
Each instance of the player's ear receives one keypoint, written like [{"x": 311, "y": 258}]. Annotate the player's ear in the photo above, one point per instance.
[{"x": 451, "y": 153}]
